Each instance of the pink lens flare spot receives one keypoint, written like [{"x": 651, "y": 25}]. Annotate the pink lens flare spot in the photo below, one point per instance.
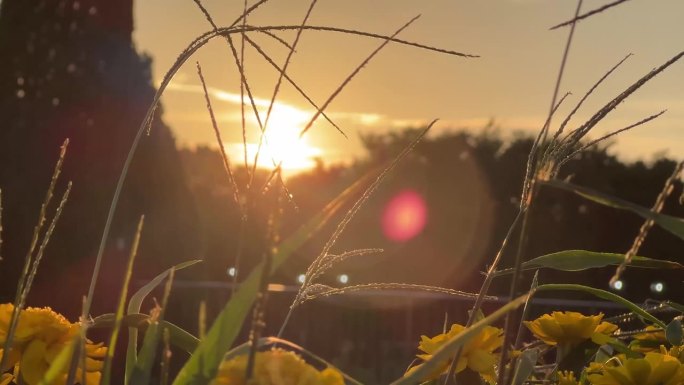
[{"x": 405, "y": 216}]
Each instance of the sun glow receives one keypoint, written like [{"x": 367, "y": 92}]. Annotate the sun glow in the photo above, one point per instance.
[{"x": 282, "y": 144}]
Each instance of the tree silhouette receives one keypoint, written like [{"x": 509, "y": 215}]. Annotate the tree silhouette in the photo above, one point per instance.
[{"x": 70, "y": 70}]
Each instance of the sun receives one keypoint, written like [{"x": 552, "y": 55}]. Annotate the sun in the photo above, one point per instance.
[{"x": 282, "y": 143}]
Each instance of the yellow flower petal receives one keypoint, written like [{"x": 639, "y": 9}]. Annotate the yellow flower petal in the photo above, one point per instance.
[
  {"x": 663, "y": 367},
  {"x": 569, "y": 328},
  {"x": 482, "y": 361},
  {"x": 653, "y": 369},
  {"x": 478, "y": 353},
  {"x": 33, "y": 365},
  {"x": 639, "y": 370},
  {"x": 41, "y": 334},
  {"x": 6, "y": 378},
  {"x": 275, "y": 367}
]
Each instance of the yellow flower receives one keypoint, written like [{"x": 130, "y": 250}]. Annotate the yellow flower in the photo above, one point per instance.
[
  {"x": 275, "y": 367},
  {"x": 675, "y": 351},
  {"x": 654, "y": 369},
  {"x": 567, "y": 378},
  {"x": 478, "y": 353},
  {"x": 650, "y": 340},
  {"x": 40, "y": 336},
  {"x": 569, "y": 328}
]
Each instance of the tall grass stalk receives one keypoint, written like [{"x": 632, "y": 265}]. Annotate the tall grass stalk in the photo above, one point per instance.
[
  {"x": 356, "y": 71},
  {"x": 276, "y": 89},
  {"x": 509, "y": 328},
  {"x": 219, "y": 140},
  {"x": 318, "y": 290},
  {"x": 107, "y": 367},
  {"x": 43, "y": 244},
  {"x": 242, "y": 208},
  {"x": 272, "y": 239},
  {"x": 22, "y": 283},
  {"x": 293, "y": 84},
  {"x": 342, "y": 225},
  {"x": 78, "y": 354},
  {"x": 668, "y": 187},
  {"x": 577, "y": 18},
  {"x": 242, "y": 109},
  {"x": 166, "y": 357}
]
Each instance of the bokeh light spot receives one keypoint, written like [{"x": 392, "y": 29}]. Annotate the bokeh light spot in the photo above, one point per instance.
[{"x": 404, "y": 217}]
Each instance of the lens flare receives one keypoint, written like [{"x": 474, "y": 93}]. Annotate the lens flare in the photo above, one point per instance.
[{"x": 404, "y": 217}]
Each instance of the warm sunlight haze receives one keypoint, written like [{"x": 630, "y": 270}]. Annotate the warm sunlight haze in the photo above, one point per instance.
[
  {"x": 341, "y": 192},
  {"x": 282, "y": 145},
  {"x": 404, "y": 87}
]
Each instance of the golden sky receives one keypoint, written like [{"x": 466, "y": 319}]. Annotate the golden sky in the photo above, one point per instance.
[{"x": 511, "y": 82}]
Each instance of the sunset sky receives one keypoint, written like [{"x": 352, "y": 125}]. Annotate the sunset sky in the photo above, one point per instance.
[{"x": 511, "y": 82}]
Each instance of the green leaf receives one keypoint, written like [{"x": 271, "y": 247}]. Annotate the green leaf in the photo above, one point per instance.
[
  {"x": 447, "y": 351},
  {"x": 136, "y": 320},
  {"x": 134, "y": 305},
  {"x": 140, "y": 374},
  {"x": 673, "y": 333},
  {"x": 525, "y": 367},
  {"x": 672, "y": 224},
  {"x": 142, "y": 371},
  {"x": 179, "y": 337},
  {"x": 137, "y": 299},
  {"x": 577, "y": 260},
  {"x": 202, "y": 366},
  {"x": 603, "y": 295}
]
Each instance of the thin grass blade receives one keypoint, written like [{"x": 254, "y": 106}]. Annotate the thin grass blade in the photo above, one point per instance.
[
  {"x": 672, "y": 224},
  {"x": 60, "y": 363},
  {"x": 107, "y": 369},
  {"x": 203, "y": 364},
  {"x": 134, "y": 305},
  {"x": 604, "y": 295},
  {"x": 579, "y": 260},
  {"x": 141, "y": 373}
]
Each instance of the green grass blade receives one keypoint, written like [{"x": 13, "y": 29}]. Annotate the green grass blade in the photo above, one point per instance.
[
  {"x": 135, "y": 320},
  {"x": 448, "y": 350},
  {"x": 603, "y": 295},
  {"x": 107, "y": 369},
  {"x": 525, "y": 367},
  {"x": 142, "y": 371},
  {"x": 60, "y": 363},
  {"x": 577, "y": 260},
  {"x": 137, "y": 299},
  {"x": 179, "y": 337},
  {"x": 134, "y": 306},
  {"x": 203, "y": 364},
  {"x": 672, "y": 224}
]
